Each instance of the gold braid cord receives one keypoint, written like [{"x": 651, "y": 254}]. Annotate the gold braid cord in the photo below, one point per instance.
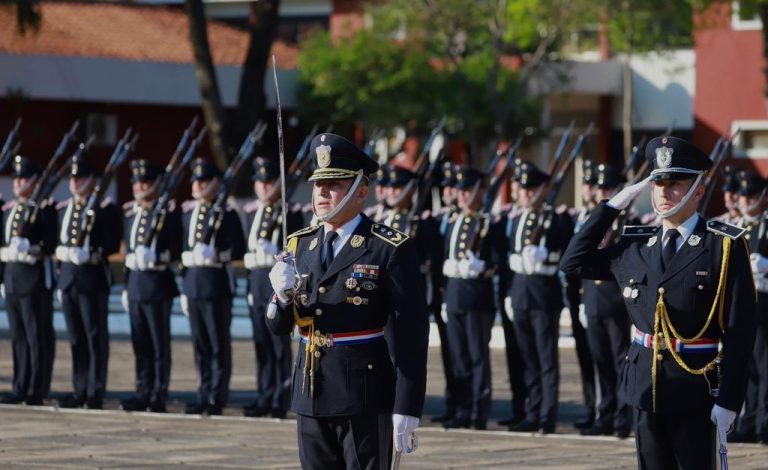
[
  {"x": 304, "y": 322},
  {"x": 662, "y": 320}
]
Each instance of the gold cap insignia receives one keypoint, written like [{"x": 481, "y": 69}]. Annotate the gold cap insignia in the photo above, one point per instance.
[{"x": 323, "y": 156}]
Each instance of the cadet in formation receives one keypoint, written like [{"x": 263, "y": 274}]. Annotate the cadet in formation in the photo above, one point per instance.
[
  {"x": 695, "y": 321},
  {"x": 27, "y": 285},
  {"x": 263, "y": 219},
  {"x": 153, "y": 245},
  {"x": 347, "y": 278},
  {"x": 209, "y": 285},
  {"x": 84, "y": 280}
]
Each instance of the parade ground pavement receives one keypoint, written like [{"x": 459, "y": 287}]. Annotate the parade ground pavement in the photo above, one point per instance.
[{"x": 46, "y": 437}]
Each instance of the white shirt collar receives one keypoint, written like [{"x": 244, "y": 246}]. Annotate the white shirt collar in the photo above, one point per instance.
[
  {"x": 345, "y": 232},
  {"x": 685, "y": 229}
]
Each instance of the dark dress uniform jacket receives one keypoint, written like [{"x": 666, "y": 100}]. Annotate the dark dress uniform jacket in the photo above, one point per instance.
[
  {"x": 105, "y": 240},
  {"x": 210, "y": 283},
  {"x": 357, "y": 379},
  {"x": 690, "y": 284},
  {"x": 153, "y": 285},
  {"x": 22, "y": 278},
  {"x": 539, "y": 291}
]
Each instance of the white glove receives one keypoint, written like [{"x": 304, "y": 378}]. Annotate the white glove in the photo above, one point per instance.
[
  {"x": 450, "y": 268},
  {"x": 621, "y": 200},
  {"x": 145, "y": 257},
  {"x": 723, "y": 419},
  {"x": 19, "y": 244},
  {"x": 59, "y": 296},
  {"x": 78, "y": 255},
  {"x": 476, "y": 266},
  {"x": 533, "y": 256},
  {"x": 444, "y": 312},
  {"x": 283, "y": 280},
  {"x": 184, "y": 301},
  {"x": 267, "y": 247},
  {"x": 583, "y": 315},
  {"x": 249, "y": 298},
  {"x": 204, "y": 254},
  {"x": 403, "y": 427},
  {"x": 124, "y": 301},
  {"x": 759, "y": 263},
  {"x": 508, "y": 308},
  {"x": 249, "y": 261},
  {"x": 2, "y": 290}
]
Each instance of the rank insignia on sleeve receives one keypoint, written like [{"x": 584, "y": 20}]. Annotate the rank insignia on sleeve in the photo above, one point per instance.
[
  {"x": 367, "y": 271},
  {"x": 390, "y": 235},
  {"x": 638, "y": 230}
]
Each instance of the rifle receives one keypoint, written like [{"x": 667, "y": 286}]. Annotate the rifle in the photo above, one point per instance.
[
  {"x": 10, "y": 147},
  {"x": 123, "y": 148},
  {"x": 170, "y": 182},
  {"x": 49, "y": 178},
  {"x": 180, "y": 149},
  {"x": 632, "y": 160},
  {"x": 426, "y": 150},
  {"x": 371, "y": 145},
  {"x": 218, "y": 208},
  {"x": 719, "y": 154},
  {"x": 497, "y": 180},
  {"x": 432, "y": 157},
  {"x": 547, "y": 209}
]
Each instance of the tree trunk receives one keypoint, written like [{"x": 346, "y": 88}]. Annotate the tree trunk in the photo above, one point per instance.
[
  {"x": 628, "y": 93},
  {"x": 213, "y": 110},
  {"x": 252, "y": 100}
]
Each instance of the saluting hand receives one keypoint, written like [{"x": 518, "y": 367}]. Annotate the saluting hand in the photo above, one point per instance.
[{"x": 621, "y": 200}]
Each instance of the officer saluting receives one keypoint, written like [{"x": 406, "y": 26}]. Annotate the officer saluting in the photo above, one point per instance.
[
  {"x": 208, "y": 287},
  {"x": 682, "y": 303},
  {"x": 351, "y": 277},
  {"x": 273, "y": 353},
  {"x": 84, "y": 280},
  {"x": 28, "y": 283},
  {"x": 150, "y": 287}
]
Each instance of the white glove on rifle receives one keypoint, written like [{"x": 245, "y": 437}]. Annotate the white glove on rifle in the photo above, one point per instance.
[
  {"x": 403, "y": 427},
  {"x": 124, "y": 301},
  {"x": 759, "y": 263},
  {"x": 621, "y": 200},
  {"x": 444, "y": 312},
  {"x": 533, "y": 256},
  {"x": 145, "y": 257},
  {"x": 723, "y": 419},
  {"x": 508, "y": 308},
  {"x": 78, "y": 255},
  {"x": 283, "y": 280},
  {"x": 267, "y": 247},
  {"x": 204, "y": 254},
  {"x": 19, "y": 244},
  {"x": 184, "y": 301}
]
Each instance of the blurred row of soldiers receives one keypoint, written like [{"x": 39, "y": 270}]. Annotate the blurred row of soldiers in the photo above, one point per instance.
[{"x": 474, "y": 264}]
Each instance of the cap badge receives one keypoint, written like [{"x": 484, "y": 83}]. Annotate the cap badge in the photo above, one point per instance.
[
  {"x": 664, "y": 157},
  {"x": 323, "y": 156}
]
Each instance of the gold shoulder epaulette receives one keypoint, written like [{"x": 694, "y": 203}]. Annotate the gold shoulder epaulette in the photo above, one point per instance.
[
  {"x": 388, "y": 234},
  {"x": 725, "y": 229},
  {"x": 304, "y": 231},
  {"x": 638, "y": 230}
]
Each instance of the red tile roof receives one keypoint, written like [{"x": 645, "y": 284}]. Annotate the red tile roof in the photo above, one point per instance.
[{"x": 127, "y": 32}]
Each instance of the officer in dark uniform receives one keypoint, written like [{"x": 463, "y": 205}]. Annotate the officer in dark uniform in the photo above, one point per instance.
[
  {"x": 84, "y": 280},
  {"x": 350, "y": 277},
  {"x": 208, "y": 287},
  {"x": 28, "y": 285},
  {"x": 263, "y": 218},
  {"x": 730, "y": 191},
  {"x": 752, "y": 425},
  {"x": 572, "y": 287},
  {"x": 379, "y": 183},
  {"x": 150, "y": 286},
  {"x": 471, "y": 260},
  {"x": 608, "y": 330},
  {"x": 682, "y": 303},
  {"x": 536, "y": 309}
]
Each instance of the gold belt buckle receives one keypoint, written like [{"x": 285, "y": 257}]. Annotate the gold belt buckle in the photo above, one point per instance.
[
  {"x": 663, "y": 346},
  {"x": 321, "y": 339}
]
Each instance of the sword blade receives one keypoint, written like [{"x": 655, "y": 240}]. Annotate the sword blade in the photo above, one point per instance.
[
  {"x": 396, "y": 460},
  {"x": 281, "y": 151}
]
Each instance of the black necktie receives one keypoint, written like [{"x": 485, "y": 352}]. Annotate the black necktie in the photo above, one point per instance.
[
  {"x": 330, "y": 237},
  {"x": 670, "y": 248}
]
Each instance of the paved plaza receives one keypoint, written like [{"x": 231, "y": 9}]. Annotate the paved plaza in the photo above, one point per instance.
[{"x": 44, "y": 437}]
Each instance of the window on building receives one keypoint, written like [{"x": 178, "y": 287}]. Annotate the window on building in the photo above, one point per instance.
[
  {"x": 745, "y": 15},
  {"x": 752, "y": 139}
]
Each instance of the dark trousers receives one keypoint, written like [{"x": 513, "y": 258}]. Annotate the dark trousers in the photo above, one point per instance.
[
  {"x": 754, "y": 420},
  {"x": 352, "y": 443},
  {"x": 445, "y": 355},
  {"x": 151, "y": 339},
  {"x": 210, "y": 322},
  {"x": 515, "y": 367},
  {"x": 273, "y": 361},
  {"x": 537, "y": 335},
  {"x": 30, "y": 323},
  {"x": 677, "y": 441},
  {"x": 608, "y": 343},
  {"x": 586, "y": 367},
  {"x": 86, "y": 317},
  {"x": 470, "y": 333}
]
